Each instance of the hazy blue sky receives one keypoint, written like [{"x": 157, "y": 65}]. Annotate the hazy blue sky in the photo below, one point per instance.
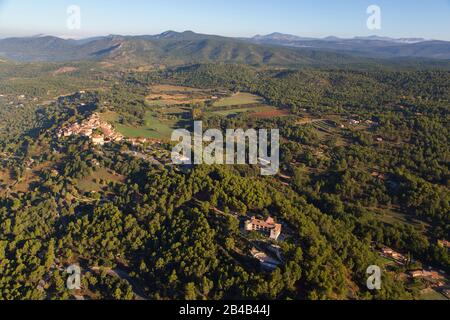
[{"x": 317, "y": 18}]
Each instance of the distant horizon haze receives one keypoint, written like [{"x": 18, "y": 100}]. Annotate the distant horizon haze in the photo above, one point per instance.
[
  {"x": 70, "y": 37},
  {"x": 231, "y": 18}
]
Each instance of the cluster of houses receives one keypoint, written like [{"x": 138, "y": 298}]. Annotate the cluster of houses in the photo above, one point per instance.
[
  {"x": 100, "y": 132},
  {"x": 140, "y": 141},
  {"x": 394, "y": 255},
  {"x": 356, "y": 122},
  {"x": 435, "y": 275},
  {"x": 16, "y": 101},
  {"x": 435, "y": 279}
]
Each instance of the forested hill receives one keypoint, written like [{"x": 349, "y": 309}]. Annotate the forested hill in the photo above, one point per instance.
[
  {"x": 172, "y": 48},
  {"x": 346, "y": 190},
  {"x": 310, "y": 88}
]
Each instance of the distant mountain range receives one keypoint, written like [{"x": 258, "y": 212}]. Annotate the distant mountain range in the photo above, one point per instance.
[
  {"x": 372, "y": 46},
  {"x": 188, "y": 47},
  {"x": 170, "y": 48},
  {"x": 292, "y": 38}
]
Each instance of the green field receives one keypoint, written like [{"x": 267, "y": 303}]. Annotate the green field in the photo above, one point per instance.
[
  {"x": 325, "y": 126},
  {"x": 239, "y": 99},
  {"x": 392, "y": 216},
  {"x": 160, "y": 123},
  {"x": 432, "y": 296},
  {"x": 239, "y": 110},
  {"x": 239, "y": 103},
  {"x": 154, "y": 128}
]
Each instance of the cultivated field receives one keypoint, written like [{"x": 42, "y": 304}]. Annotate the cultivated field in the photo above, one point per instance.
[
  {"x": 244, "y": 102},
  {"x": 169, "y": 95},
  {"x": 170, "y": 107},
  {"x": 154, "y": 127},
  {"x": 239, "y": 99}
]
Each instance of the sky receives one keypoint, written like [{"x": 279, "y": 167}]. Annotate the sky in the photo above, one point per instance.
[{"x": 428, "y": 19}]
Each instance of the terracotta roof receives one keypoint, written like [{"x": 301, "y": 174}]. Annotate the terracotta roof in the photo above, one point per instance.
[{"x": 268, "y": 224}]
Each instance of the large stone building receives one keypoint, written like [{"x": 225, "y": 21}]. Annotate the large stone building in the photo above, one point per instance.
[
  {"x": 268, "y": 227},
  {"x": 98, "y": 140}
]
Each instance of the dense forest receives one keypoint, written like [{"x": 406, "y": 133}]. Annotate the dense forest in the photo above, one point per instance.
[{"x": 157, "y": 232}]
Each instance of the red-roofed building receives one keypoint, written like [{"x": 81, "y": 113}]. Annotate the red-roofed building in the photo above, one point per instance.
[{"x": 269, "y": 227}]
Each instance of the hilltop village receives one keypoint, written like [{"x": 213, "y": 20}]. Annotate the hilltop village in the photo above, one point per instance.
[
  {"x": 93, "y": 178},
  {"x": 100, "y": 132}
]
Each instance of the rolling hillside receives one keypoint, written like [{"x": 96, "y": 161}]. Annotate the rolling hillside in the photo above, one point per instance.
[
  {"x": 174, "y": 48},
  {"x": 169, "y": 48}
]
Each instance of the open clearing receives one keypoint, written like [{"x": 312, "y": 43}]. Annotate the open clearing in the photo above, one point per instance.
[
  {"x": 261, "y": 112},
  {"x": 244, "y": 102},
  {"x": 170, "y": 95},
  {"x": 432, "y": 295},
  {"x": 154, "y": 127},
  {"x": 168, "y": 87},
  {"x": 93, "y": 183},
  {"x": 64, "y": 70},
  {"x": 270, "y": 112},
  {"x": 239, "y": 99},
  {"x": 175, "y": 99},
  {"x": 170, "y": 108},
  {"x": 392, "y": 215},
  {"x": 29, "y": 177}
]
